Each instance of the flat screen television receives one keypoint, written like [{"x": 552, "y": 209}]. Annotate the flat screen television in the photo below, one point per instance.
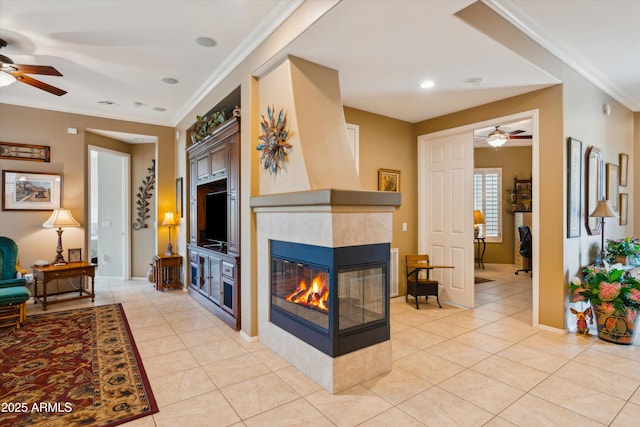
[{"x": 216, "y": 216}]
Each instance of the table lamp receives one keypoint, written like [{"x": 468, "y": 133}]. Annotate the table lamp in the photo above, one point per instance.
[
  {"x": 169, "y": 219},
  {"x": 478, "y": 219},
  {"x": 60, "y": 218},
  {"x": 603, "y": 210}
]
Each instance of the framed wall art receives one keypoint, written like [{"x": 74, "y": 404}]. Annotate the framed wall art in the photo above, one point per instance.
[
  {"x": 31, "y": 191},
  {"x": 574, "y": 174},
  {"x": 624, "y": 169},
  {"x": 612, "y": 187},
  {"x": 388, "y": 180},
  {"x": 179, "y": 203},
  {"x": 624, "y": 206},
  {"x": 34, "y": 153}
]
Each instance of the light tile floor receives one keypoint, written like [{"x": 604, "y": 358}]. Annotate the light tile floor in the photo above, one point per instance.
[{"x": 451, "y": 366}]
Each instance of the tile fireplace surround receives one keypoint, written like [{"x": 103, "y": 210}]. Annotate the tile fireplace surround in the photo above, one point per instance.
[{"x": 330, "y": 218}]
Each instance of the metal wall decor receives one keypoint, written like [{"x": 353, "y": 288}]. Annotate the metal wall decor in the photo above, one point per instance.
[
  {"x": 143, "y": 195},
  {"x": 34, "y": 153},
  {"x": 273, "y": 143}
]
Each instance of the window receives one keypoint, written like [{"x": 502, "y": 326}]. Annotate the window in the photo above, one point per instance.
[{"x": 487, "y": 187}]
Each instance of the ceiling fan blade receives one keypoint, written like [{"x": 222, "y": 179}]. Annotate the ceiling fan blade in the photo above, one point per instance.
[
  {"x": 37, "y": 69},
  {"x": 40, "y": 85},
  {"x": 521, "y": 137},
  {"x": 515, "y": 132}
]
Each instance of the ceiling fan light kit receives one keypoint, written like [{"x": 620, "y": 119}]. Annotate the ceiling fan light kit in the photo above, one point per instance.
[
  {"x": 6, "y": 79},
  {"x": 497, "y": 138}
]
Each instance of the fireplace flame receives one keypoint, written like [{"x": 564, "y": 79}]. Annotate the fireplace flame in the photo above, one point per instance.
[{"x": 315, "y": 296}]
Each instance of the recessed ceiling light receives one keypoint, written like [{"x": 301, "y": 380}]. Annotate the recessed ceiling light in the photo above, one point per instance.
[
  {"x": 474, "y": 81},
  {"x": 159, "y": 109},
  {"x": 169, "y": 80},
  {"x": 206, "y": 41},
  {"x": 427, "y": 84}
]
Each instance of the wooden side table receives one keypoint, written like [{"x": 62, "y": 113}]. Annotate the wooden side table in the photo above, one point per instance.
[
  {"x": 167, "y": 271},
  {"x": 67, "y": 271}
]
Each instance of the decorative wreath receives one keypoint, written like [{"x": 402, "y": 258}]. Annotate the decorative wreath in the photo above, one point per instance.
[{"x": 273, "y": 143}]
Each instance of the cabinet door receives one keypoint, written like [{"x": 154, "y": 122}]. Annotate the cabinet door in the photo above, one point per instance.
[
  {"x": 233, "y": 224},
  {"x": 202, "y": 167},
  {"x": 214, "y": 279},
  {"x": 229, "y": 296},
  {"x": 203, "y": 274},
  {"x": 234, "y": 165},
  {"x": 193, "y": 221},
  {"x": 218, "y": 161}
]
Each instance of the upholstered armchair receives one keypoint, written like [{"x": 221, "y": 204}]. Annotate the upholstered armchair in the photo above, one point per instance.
[{"x": 13, "y": 293}]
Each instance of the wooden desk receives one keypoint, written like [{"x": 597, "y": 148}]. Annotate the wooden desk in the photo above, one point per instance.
[
  {"x": 67, "y": 271},
  {"x": 427, "y": 287},
  {"x": 167, "y": 271}
]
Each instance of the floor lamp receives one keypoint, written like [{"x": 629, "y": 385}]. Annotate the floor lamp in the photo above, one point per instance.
[
  {"x": 603, "y": 210},
  {"x": 60, "y": 218}
]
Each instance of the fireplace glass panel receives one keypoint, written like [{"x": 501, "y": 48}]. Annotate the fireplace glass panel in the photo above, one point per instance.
[
  {"x": 361, "y": 295},
  {"x": 301, "y": 290}
]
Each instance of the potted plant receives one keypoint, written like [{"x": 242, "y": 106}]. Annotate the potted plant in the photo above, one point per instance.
[
  {"x": 623, "y": 251},
  {"x": 205, "y": 125},
  {"x": 615, "y": 297}
]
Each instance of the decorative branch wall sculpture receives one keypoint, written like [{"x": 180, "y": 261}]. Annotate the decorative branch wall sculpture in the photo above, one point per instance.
[{"x": 143, "y": 195}]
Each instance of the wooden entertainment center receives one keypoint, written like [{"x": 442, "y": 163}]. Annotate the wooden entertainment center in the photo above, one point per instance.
[{"x": 214, "y": 229}]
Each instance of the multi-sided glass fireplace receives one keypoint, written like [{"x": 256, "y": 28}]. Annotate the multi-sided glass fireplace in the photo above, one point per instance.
[{"x": 335, "y": 299}]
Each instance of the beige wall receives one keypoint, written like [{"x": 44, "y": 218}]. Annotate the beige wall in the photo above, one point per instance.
[
  {"x": 548, "y": 102},
  {"x": 143, "y": 241},
  {"x": 69, "y": 158},
  {"x": 391, "y": 144},
  {"x": 634, "y": 159},
  {"x": 514, "y": 162},
  {"x": 613, "y": 134}
]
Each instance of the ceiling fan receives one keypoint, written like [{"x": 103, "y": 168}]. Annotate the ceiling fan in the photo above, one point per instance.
[{"x": 10, "y": 73}]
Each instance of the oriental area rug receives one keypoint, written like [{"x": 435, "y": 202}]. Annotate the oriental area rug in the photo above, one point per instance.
[{"x": 73, "y": 368}]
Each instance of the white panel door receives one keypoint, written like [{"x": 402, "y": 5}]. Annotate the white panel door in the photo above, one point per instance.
[{"x": 445, "y": 197}]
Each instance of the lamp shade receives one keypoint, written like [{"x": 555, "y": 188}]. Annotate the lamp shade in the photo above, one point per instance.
[
  {"x": 478, "y": 218},
  {"x": 603, "y": 210},
  {"x": 61, "y": 218},
  {"x": 169, "y": 219}
]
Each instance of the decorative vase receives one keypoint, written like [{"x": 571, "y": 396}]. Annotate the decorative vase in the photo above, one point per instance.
[
  {"x": 150, "y": 273},
  {"x": 624, "y": 260},
  {"x": 618, "y": 326}
]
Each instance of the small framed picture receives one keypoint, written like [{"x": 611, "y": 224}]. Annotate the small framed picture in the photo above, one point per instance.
[
  {"x": 624, "y": 169},
  {"x": 388, "y": 180},
  {"x": 75, "y": 255},
  {"x": 624, "y": 206}
]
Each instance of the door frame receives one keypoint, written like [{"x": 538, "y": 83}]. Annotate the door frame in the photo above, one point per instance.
[
  {"x": 532, "y": 115},
  {"x": 126, "y": 196}
]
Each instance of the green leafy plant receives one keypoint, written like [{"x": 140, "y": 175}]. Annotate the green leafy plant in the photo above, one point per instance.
[
  {"x": 627, "y": 247},
  {"x": 206, "y": 124},
  {"x": 273, "y": 143},
  {"x": 609, "y": 289}
]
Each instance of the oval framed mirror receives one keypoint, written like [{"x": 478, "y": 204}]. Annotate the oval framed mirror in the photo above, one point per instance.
[{"x": 595, "y": 189}]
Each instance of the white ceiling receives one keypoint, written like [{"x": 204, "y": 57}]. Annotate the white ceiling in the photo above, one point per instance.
[{"x": 118, "y": 51}]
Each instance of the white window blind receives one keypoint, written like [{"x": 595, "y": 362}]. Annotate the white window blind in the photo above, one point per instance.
[{"x": 487, "y": 187}]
